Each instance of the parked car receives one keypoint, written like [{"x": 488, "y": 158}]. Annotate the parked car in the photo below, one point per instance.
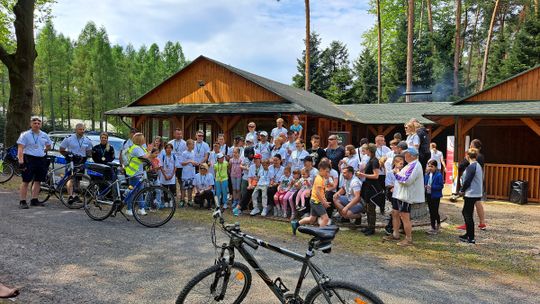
[{"x": 58, "y": 137}]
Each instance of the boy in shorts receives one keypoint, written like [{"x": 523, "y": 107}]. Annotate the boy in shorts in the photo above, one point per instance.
[{"x": 318, "y": 202}]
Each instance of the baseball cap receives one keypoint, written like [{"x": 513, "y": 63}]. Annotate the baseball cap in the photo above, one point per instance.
[
  {"x": 220, "y": 155},
  {"x": 257, "y": 156},
  {"x": 264, "y": 133},
  {"x": 402, "y": 145},
  {"x": 412, "y": 151}
]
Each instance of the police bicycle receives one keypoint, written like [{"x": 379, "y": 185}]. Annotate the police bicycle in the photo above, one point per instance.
[
  {"x": 229, "y": 281},
  {"x": 9, "y": 165},
  {"x": 61, "y": 184},
  {"x": 151, "y": 206}
]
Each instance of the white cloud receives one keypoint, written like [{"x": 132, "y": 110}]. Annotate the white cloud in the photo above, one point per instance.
[{"x": 262, "y": 36}]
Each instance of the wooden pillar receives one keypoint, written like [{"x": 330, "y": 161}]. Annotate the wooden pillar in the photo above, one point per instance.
[{"x": 459, "y": 140}]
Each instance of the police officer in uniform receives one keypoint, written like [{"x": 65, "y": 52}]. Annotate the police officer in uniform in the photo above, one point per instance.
[
  {"x": 76, "y": 147},
  {"x": 32, "y": 148}
]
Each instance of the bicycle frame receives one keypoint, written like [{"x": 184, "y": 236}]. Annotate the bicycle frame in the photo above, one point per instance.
[
  {"x": 117, "y": 192},
  {"x": 237, "y": 240}
]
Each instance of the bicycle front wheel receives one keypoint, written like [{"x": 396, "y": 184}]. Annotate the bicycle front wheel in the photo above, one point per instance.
[
  {"x": 98, "y": 200},
  {"x": 76, "y": 184},
  {"x": 208, "y": 286},
  {"x": 341, "y": 292},
  {"x": 6, "y": 171},
  {"x": 44, "y": 190},
  {"x": 153, "y": 206}
]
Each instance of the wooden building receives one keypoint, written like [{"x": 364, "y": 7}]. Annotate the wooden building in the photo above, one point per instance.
[
  {"x": 506, "y": 118},
  {"x": 217, "y": 98}
]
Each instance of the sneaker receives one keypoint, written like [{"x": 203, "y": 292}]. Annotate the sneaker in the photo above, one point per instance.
[
  {"x": 141, "y": 212},
  {"x": 357, "y": 222},
  {"x": 462, "y": 227},
  {"x": 432, "y": 231},
  {"x": 465, "y": 239},
  {"x": 23, "y": 205},
  {"x": 275, "y": 211},
  {"x": 225, "y": 207},
  {"x": 388, "y": 230},
  {"x": 294, "y": 226},
  {"x": 236, "y": 212},
  {"x": 255, "y": 211},
  {"x": 284, "y": 214},
  {"x": 35, "y": 202},
  {"x": 265, "y": 211},
  {"x": 70, "y": 200},
  {"x": 129, "y": 212},
  {"x": 482, "y": 226},
  {"x": 301, "y": 209},
  {"x": 369, "y": 232}
]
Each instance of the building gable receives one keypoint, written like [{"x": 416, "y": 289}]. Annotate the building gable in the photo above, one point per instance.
[
  {"x": 204, "y": 81},
  {"x": 522, "y": 87}
]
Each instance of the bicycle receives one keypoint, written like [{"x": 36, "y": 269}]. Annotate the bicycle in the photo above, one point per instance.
[
  {"x": 152, "y": 206},
  {"x": 229, "y": 281},
  {"x": 59, "y": 184},
  {"x": 8, "y": 163}
]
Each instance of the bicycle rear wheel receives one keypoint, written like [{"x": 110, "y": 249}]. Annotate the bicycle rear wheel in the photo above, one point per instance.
[
  {"x": 79, "y": 183},
  {"x": 341, "y": 292},
  {"x": 98, "y": 200},
  {"x": 6, "y": 171},
  {"x": 45, "y": 191},
  {"x": 153, "y": 206},
  {"x": 207, "y": 286}
]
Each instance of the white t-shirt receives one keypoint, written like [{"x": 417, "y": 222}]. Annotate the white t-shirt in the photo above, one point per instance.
[
  {"x": 381, "y": 151},
  {"x": 265, "y": 149},
  {"x": 297, "y": 159},
  {"x": 168, "y": 165},
  {"x": 179, "y": 146},
  {"x": 252, "y": 136},
  {"x": 350, "y": 186},
  {"x": 189, "y": 170},
  {"x": 313, "y": 173},
  {"x": 200, "y": 150},
  {"x": 276, "y": 173},
  {"x": 413, "y": 140},
  {"x": 352, "y": 161},
  {"x": 212, "y": 160},
  {"x": 76, "y": 145},
  {"x": 245, "y": 172},
  {"x": 333, "y": 176},
  {"x": 254, "y": 170},
  {"x": 34, "y": 144},
  {"x": 438, "y": 156},
  {"x": 201, "y": 182},
  {"x": 264, "y": 177},
  {"x": 277, "y": 131}
]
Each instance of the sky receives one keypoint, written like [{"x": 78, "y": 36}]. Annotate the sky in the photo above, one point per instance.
[{"x": 261, "y": 36}]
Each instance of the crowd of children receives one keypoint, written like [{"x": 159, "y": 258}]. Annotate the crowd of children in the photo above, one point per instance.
[{"x": 276, "y": 175}]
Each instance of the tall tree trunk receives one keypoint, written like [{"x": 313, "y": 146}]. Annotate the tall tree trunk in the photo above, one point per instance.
[
  {"x": 51, "y": 99},
  {"x": 410, "y": 38},
  {"x": 457, "y": 51},
  {"x": 21, "y": 71},
  {"x": 462, "y": 36},
  {"x": 471, "y": 46},
  {"x": 488, "y": 42},
  {"x": 68, "y": 102},
  {"x": 4, "y": 104},
  {"x": 307, "y": 84},
  {"x": 379, "y": 52},
  {"x": 536, "y": 7},
  {"x": 421, "y": 21},
  {"x": 429, "y": 16}
]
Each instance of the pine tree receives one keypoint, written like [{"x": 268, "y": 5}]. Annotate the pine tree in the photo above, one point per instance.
[
  {"x": 525, "y": 51},
  {"x": 173, "y": 59},
  {"x": 364, "y": 87},
  {"x": 315, "y": 63}
]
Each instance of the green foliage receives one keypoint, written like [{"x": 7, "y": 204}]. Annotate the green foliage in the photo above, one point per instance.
[
  {"x": 525, "y": 51},
  {"x": 365, "y": 84},
  {"x": 82, "y": 79},
  {"x": 315, "y": 67}
]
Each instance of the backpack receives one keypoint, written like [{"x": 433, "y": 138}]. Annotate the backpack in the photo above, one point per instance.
[
  {"x": 424, "y": 141},
  {"x": 163, "y": 158}
]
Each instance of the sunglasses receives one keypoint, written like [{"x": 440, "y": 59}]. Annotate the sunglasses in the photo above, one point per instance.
[
  {"x": 332, "y": 138},
  {"x": 251, "y": 126},
  {"x": 36, "y": 119},
  {"x": 200, "y": 135}
]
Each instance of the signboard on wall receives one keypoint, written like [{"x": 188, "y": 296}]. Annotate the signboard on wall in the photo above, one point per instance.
[{"x": 344, "y": 137}]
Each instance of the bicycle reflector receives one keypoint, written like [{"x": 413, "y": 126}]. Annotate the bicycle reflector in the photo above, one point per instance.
[
  {"x": 239, "y": 276},
  {"x": 359, "y": 301}
]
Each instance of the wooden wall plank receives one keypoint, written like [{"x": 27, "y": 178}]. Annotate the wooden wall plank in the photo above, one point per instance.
[
  {"x": 499, "y": 176},
  {"x": 220, "y": 85}
]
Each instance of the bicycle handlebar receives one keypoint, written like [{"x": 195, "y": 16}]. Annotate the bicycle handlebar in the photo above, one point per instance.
[{"x": 234, "y": 229}]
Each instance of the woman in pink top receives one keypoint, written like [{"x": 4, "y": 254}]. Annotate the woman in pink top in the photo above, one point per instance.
[{"x": 236, "y": 175}]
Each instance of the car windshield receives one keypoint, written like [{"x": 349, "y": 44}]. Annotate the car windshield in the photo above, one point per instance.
[{"x": 116, "y": 143}]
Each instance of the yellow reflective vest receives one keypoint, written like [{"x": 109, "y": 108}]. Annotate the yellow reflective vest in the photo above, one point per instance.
[{"x": 134, "y": 162}]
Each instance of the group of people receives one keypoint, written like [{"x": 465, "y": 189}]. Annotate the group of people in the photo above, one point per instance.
[{"x": 276, "y": 174}]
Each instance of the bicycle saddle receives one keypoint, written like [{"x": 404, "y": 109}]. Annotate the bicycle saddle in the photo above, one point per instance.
[{"x": 323, "y": 233}]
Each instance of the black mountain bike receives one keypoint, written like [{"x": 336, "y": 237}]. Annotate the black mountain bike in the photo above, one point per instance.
[{"x": 229, "y": 281}]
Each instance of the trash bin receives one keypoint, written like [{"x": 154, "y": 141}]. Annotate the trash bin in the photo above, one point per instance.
[{"x": 518, "y": 191}]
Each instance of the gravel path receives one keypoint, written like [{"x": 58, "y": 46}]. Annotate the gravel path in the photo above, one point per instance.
[{"x": 61, "y": 256}]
